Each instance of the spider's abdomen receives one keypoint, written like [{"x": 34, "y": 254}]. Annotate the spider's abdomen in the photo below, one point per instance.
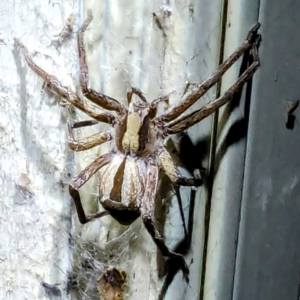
[{"x": 122, "y": 187}]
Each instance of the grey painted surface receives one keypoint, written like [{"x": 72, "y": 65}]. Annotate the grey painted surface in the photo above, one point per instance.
[
  {"x": 268, "y": 260},
  {"x": 228, "y": 164}
]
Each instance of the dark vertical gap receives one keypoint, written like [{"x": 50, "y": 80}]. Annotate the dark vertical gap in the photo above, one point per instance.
[
  {"x": 247, "y": 118},
  {"x": 210, "y": 178},
  {"x": 247, "y": 61}
]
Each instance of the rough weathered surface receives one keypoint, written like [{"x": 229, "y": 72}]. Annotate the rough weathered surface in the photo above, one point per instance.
[{"x": 34, "y": 206}]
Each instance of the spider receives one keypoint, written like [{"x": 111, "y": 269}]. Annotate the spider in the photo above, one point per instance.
[{"x": 129, "y": 182}]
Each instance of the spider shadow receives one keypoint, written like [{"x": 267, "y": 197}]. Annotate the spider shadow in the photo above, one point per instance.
[
  {"x": 170, "y": 267},
  {"x": 187, "y": 154},
  {"x": 238, "y": 130}
]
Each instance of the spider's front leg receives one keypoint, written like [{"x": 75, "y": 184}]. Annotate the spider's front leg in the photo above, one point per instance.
[
  {"x": 56, "y": 86},
  {"x": 89, "y": 141},
  {"x": 191, "y": 119},
  {"x": 98, "y": 98},
  {"x": 187, "y": 101},
  {"x": 81, "y": 179},
  {"x": 137, "y": 92},
  {"x": 147, "y": 208}
]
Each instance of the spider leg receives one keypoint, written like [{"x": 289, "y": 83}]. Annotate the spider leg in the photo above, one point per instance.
[
  {"x": 84, "y": 123},
  {"x": 97, "y": 98},
  {"x": 81, "y": 179},
  {"x": 177, "y": 180},
  {"x": 87, "y": 142},
  {"x": 123, "y": 213},
  {"x": 187, "y": 101},
  {"x": 158, "y": 100},
  {"x": 146, "y": 209},
  {"x": 117, "y": 205},
  {"x": 154, "y": 104},
  {"x": 55, "y": 85},
  {"x": 178, "y": 196},
  {"x": 206, "y": 110},
  {"x": 137, "y": 92},
  {"x": 173, "y": 173}
]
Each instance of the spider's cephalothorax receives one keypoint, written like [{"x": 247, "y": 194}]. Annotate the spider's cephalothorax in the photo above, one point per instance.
[
  {"x": 130, "y": 172},
  {"x": 136, "y": 134}
]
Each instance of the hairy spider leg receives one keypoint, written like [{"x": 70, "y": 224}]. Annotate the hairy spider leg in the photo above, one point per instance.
[
  {"x": 183, "y": 247},
  {"x": 56, "y": 86},
  {"x": 158, "y": 100},
  {"x": 100, "y": 99},
  {"x": 84, "y": 124},
  {"x": 177, "y": 180},
  {"x": 147, "y": 208},
  {"x": 206, "y": 110},
  {"x": 187, "y": 101},
  {"x": 173, "y": 173},
  {"x": 78, "y": 181},
  {"x": 89, "y": 141},
  {"x": 154, "y": 104}
]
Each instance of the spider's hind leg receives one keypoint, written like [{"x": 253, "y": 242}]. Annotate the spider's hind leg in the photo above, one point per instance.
[
  {"x": 146, "y": 209},
  {"x": 160, "y": 243}
]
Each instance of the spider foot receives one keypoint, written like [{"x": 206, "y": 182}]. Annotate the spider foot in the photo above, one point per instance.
[
  {"x": 188, "y": 86},
  {"x": 251, "y": 37},
  {"x": 87, "y": 21},
  {"x": 254, "y": 50},
  {"x": 175, "y": 263},
  {"x": 189, "y": 181}
]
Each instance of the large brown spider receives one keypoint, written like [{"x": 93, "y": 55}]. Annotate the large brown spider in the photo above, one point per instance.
[{"x": 129, "y": 183}]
